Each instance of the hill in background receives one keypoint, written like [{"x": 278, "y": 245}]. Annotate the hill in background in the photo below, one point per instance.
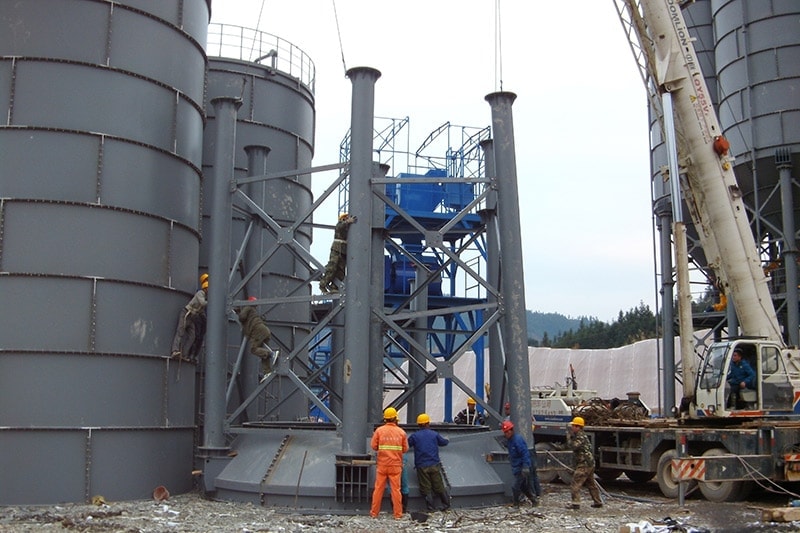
[{"x": 552, "y": 324}]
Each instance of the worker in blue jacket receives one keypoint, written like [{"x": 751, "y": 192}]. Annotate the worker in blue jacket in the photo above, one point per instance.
[
  {"x": 426, "y": 444},
  {"x": 526, "y": 479},
  {"x": 741, "y": 376}
]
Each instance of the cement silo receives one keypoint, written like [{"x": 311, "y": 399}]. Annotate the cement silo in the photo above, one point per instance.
[
  {"x": 274, "y": 133},
  {"x": 100, "y": 179},
  {"x": 750, "y": 56}
]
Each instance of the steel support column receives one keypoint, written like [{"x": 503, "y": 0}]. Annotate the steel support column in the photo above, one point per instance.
[
  {"x": 515, "y": 331},
  {"x": 219, "y": 239},
  {"x": 497, "y": 383},
  {"x": 783, "y": 161},
  {"x": 357, "y": 285}
]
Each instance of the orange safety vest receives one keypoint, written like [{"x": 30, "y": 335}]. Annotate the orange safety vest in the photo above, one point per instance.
[{"x": 391, "y": 442}]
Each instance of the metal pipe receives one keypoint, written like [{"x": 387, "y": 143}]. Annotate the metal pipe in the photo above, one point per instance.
[
  {"x": 489, "y": 216},
  {"x": 219, "y": 253},
  {"x": 783, "y": 160},
  {"x": 357, "y": 285},
  {"x": 417, "y": 362},
  {"x": 515, "y": 331},
  {"x": 256, "y": 166},
  {"x": 667, "y": 308},
  {"x": 375, "y": 392}
]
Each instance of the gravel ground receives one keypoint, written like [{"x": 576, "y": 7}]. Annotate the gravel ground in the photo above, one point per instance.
[{"x": 192, "y": 512}]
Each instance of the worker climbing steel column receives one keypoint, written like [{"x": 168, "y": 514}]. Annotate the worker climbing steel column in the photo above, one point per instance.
[
  {"x": 255, "y": 329},
  {"x": 192, "y": 324},
  {"x": 335, "y": 269}
]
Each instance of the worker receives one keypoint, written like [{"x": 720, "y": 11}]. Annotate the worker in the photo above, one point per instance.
[
  {"x": 255, "y": 329},
  {"x": 426, "y": 444},
  {"x": 337, "y": 261},
  {"x": 390, "y": 443},
  {"x": 579, "y": 443},
  {"x": 191, "y": 324},
  {"x": 741, "y": 376},
  {"x": 507, "y": 411},
  {"x": 526, "y": 480},
  {"x": 470, "y": 415}
]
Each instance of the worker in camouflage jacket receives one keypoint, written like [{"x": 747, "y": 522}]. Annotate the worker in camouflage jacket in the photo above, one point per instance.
[
  {"x": 257, "y": 332},
  {"x": 579, "y": 443},
  {"x": 337, "y": 261}
]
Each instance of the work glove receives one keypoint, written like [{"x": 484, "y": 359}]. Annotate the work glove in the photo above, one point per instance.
[{"x": 526, "y": 472}]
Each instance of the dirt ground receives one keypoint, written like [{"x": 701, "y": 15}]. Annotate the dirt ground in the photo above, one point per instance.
[{"x": 192, "y": 513}]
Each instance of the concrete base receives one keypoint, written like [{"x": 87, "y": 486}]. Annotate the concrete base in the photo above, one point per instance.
[{"x": 301, "y": 467}]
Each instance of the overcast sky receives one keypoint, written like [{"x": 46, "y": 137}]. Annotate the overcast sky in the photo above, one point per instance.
[{"x": 580, "y": 119}]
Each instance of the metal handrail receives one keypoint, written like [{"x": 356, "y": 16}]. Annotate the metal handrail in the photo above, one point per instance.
[{"x": 246, "y": 44}]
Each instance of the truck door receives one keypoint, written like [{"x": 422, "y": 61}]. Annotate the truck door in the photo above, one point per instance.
[{"x": 776, "y": 390}]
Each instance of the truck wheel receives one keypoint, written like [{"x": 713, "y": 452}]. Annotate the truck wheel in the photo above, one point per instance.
[
  {"x": 666, "y": 481},
  {"x": 546, "y": 476},
  {"x": 721, "y": 491},
  {"x": 608, "y": 474},
  {"x": 639, "y": 476}
]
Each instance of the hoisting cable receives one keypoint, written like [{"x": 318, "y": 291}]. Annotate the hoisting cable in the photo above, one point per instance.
[
  {"x": 339, "y": 33},
  {"x": 498, "y": 48},
  {"x": 258, "y": 23}
]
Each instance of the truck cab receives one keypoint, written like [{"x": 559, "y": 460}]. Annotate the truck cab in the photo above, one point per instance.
[{"x": 772, "y": 393}]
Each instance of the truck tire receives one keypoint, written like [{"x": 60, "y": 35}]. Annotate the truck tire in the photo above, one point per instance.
[
  {"x": 722, "y": 491},
  {"x": 666, "y": 481},
  {"x": 608, "y": 474},
  {"x": 639, "y": 476},
  {"x": 546, "y": 476}
]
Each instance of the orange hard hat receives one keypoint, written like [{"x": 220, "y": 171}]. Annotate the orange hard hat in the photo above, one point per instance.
[
  {"x": 507, "y": 425},
  {"x": 251, "y": 298}
]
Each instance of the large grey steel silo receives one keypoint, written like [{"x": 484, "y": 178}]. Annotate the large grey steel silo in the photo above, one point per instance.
[
  {"x": 274, "y": 132},
  {"x": 750, "y": 56},
  {"x": 757, "y": 57},
  {"x": 100, "y": 179}
]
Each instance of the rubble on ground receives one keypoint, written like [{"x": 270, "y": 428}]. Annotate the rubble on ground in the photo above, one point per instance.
[{"x": 193, "y": 513}]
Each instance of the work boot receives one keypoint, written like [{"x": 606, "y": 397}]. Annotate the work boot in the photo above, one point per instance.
[
  {"x": 597, "y": 505},
  {"x": 429, "y": 502},
  {"x": 445, "y": 501},
  {"x": 574, "y": 506}
]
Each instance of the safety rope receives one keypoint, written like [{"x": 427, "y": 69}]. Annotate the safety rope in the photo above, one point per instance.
[
  {"x": 498, "y": 47},
  {"x": 339, "y": 33}
]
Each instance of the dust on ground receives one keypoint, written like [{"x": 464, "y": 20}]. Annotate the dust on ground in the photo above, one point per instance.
[{"x": 193, "y": 513}]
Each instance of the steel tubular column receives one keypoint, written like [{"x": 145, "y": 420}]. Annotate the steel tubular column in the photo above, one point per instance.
[
  {"x": 515, "y": 333},
  {"x": 219, "y": 239},
  {"x": 376, "y": 297},
  {"x": 667, "y": 309},
  {"x": 784, "y": 163},
  {"x": 357, "y": 285},
  {"x": 489, "y": 215},
  {"x": 256, "y": 166}
]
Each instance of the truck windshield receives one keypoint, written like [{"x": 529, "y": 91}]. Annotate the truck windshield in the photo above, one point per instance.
[{"x": 711, "y": 374}]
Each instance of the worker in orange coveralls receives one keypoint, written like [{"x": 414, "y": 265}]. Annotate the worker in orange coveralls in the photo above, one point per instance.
[{"x": 391, "y": 442}]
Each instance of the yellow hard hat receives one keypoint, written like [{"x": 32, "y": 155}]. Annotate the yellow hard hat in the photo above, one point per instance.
[
  {"x": 471, "y": 401},
  {"x": 204, "y": 285},
  {"x": 390, "y": 413},
  {"x": 423, "y": 418},
  {"x": 203, "y": 277},
  {"x": 343, "y": 216},
  {"x": 578, "y": 421}
]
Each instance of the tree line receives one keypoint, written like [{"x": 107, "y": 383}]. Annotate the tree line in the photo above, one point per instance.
[{"x": 637, "y": 324}]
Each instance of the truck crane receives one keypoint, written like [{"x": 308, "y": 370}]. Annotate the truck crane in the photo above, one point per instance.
[{"x": 713, "y": 445}]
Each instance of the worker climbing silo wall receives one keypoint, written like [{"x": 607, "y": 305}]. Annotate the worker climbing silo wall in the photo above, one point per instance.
[
  {"x": 275, "y": 124},
  {"x": 100, "y": 179}
]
